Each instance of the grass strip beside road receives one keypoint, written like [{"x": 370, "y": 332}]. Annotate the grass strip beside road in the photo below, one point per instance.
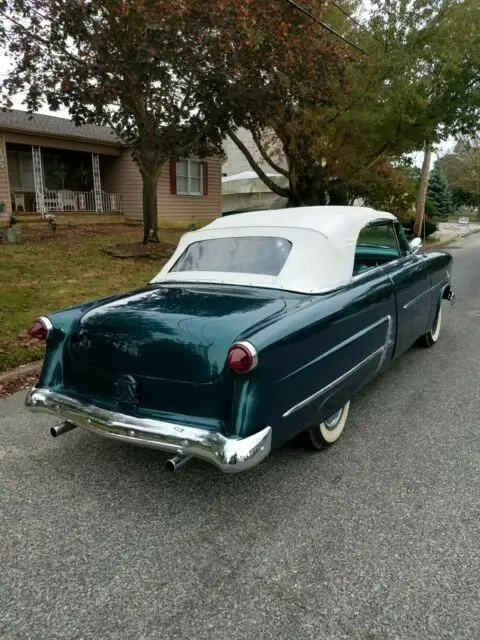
[{"x": 48, "y": 272}]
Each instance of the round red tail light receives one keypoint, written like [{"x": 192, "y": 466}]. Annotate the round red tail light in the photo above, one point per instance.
[
  {"x": 242, "y": 357},
  {"x": 40, "y": 328}
]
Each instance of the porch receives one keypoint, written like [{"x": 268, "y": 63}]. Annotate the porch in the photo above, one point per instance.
[{"x": 46, "y": 180}]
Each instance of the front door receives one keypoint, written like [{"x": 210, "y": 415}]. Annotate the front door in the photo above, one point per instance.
[
  {"x": 412, "y": 289},
  {"x": 384, "y": 245}
]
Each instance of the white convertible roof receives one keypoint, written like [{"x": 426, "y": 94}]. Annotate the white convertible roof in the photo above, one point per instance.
[{"x": 323, "y": 246}]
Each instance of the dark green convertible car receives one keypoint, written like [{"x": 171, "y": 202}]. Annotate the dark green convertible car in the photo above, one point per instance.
[{"x": 261, "y": 327}]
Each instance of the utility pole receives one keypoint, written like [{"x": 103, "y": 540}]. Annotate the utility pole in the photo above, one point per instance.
[{"x": 422, "y": 190}]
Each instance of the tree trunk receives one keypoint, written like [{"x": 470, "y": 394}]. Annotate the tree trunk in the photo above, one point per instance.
[
  {"x": 306, "y": 199},
  {"x": 422, "y": 191},
  {"x": 306, "y": 192},
  {"x": 150, "y": 213},
  {"x": 338, "y": 197}
]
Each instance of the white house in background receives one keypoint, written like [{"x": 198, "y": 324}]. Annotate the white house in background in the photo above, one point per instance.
[
  {"x": 241, "y": 186},
  {"x": 246, "y": 190},
  {"x": 235, "y": 160}
]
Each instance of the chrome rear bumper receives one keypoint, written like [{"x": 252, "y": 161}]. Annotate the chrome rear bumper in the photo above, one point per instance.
[{"x": 231, "y": 455}]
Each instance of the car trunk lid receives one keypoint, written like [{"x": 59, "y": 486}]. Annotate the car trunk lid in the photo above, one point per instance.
[{"x": 174, "y": 333}]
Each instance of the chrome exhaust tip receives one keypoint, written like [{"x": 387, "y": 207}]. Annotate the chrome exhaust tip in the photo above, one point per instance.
[
  {"x": 62, "y": 428},
  {"x": 177, "y": 462}
]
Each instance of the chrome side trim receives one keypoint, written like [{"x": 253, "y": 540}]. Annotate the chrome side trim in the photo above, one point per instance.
[
  {"x": 429, "y": 290},
  {"x": 389, "y": 342},
  {"x": 339, "y": 346},
  {"x": 381, "y": 350},
  {"x": 364, "y": 274},
  {"x": 333, "y": 384},
  {"x": 231, "y": 455},
  {"x": 414, "y": 300},
  {"x": 409, "y": 257},
  {"x": 441, "y": 284}
]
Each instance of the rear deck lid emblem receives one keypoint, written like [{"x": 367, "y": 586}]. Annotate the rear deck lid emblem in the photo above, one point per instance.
[{"x": 127, "y": 391}]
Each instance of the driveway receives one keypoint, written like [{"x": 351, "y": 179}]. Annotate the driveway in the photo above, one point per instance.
[{"x": 376, "y": 538}]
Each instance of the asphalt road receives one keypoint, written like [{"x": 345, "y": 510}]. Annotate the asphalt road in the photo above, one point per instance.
[{"x": 376, "y": 538}]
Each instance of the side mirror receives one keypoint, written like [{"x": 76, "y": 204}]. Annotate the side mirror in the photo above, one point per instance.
[{"x": 415, "y": 245}]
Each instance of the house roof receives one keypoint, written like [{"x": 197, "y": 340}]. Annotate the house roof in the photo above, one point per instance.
[
  {"x": 22, "y": 121},
  {"x": 322, "y": 239}
]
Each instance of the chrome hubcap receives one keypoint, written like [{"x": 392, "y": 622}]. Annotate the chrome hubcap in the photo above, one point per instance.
[{"x": 334, "y": 419}]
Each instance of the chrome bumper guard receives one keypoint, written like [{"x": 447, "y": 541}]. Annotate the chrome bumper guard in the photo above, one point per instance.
[{"x": 231, "y": 455}]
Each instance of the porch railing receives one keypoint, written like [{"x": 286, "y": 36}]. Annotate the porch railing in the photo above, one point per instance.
[{"x": 66, "y": 200}]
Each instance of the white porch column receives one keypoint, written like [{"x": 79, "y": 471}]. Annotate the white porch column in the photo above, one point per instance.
[
  {"x": 97, "y": 183},
  {"x": 38, "y": 180}
]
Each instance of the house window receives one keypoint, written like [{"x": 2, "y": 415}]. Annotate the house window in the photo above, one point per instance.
[
  {"x": 189, "y": 178},
  {"x": 20, "y": 170},
  {"x": 14, "y": 175}
]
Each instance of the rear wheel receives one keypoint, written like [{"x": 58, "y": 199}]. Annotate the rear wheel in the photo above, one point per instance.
[
  {"x": 327, "y": 432},
  {"x": 432, "y": 336}
]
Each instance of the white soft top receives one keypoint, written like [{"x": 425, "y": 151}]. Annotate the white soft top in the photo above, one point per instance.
[{"x": 321, "y": 258}]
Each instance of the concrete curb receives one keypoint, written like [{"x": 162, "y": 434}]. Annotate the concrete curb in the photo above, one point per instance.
[
  {"x": 444, "y": 243},
  {"x": 31, "y": 369}
]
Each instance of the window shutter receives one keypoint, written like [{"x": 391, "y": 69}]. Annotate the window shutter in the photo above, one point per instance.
[
  {"x": 205, "y": 178},
  {"x": 173, "y": 177}
]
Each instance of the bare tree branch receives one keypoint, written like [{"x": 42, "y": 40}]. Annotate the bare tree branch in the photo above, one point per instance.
[
  {"x": 377, "y": 157},
  {"x": 276, "y": 167},
  {"x": 271, "y": 184},
  {"x": 35, "y": 36}
]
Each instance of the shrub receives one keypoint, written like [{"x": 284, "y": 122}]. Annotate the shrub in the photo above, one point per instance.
[
  {"x": 407, "y": 219},
  {"x": 430, "y": 227},
  {"x": 430, "y": 208}
]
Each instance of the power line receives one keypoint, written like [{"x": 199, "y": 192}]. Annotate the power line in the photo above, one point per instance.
[
  {"x": 350, "y": 17},
  {"x": 325, "y": 26}
]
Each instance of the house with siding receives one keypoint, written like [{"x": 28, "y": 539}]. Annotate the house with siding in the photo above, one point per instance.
[
  {"x": 47, "y": 164},
  {"x": 241, "y": 186}
]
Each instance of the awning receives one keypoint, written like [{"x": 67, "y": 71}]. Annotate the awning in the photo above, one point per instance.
[{"x": 249, "y": 182}]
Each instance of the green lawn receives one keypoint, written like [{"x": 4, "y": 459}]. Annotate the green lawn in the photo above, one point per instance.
[{"x": 47, "y": 272}]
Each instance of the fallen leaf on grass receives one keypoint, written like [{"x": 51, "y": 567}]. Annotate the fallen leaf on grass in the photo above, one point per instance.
[
  {"x": 157, "y": 251},
  {"x": 17, "y": 384}
]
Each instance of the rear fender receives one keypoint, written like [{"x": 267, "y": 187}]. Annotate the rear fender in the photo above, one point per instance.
[
  {"x": 322, "y": 353},
  {"x": 439, "y": 266},
  {"x": 63, "y": 320}
]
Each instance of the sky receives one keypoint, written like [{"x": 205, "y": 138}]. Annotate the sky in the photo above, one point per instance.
[
  {"x": 18, "y": 100},
  {"x": 63, "y": 113}
]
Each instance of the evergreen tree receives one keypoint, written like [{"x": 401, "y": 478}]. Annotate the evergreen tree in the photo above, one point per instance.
[{"x": 439, "y": 192}]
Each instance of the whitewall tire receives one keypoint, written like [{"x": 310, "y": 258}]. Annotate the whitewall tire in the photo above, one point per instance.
[
  {"x": 327, "y": 432},
  {"x": 432, "y": 336}
]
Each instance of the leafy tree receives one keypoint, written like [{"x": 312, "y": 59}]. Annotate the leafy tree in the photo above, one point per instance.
[
  {"x": 171, "y": 77},
  {"x": 462, "y": 168},
  {"x": 439, "y": 193},
  {"x": 390, "y": 188},
  {"x": 270, "y": 66},
  {"x": 107, "y": 64},
  {"x": 461, "y": 198},
  {"x": 323, "y": 113},
  {"x": 430, "y": 208}
]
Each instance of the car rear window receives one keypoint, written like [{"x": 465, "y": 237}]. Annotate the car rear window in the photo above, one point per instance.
[{"x": 252, "y": 254}]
